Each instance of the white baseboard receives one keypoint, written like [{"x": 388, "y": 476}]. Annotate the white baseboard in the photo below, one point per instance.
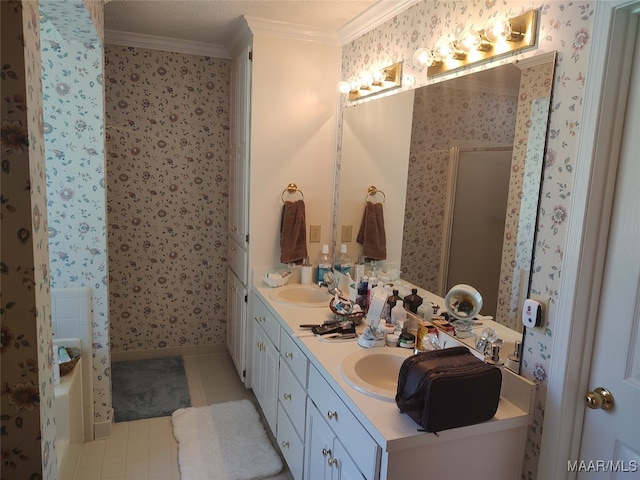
[
  {"x": 102, "y": 430},
  {"x": 187, "y": 351}
]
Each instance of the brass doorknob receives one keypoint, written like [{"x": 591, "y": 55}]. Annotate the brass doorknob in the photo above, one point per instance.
[{"x": 599, "y": 398}]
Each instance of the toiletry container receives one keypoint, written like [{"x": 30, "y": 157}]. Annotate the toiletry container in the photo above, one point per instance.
[
  {"x": 343, "y": 262},
  {"x": 359, "y": 268},
  {"x": 324, "y": 263},
  {"x": 392, "y": 298},
  {"x": 413, "y": 301},
  {"x": 398, "y": 314}
]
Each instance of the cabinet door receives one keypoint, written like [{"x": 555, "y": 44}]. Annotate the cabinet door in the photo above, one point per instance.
[
  {"x": 265, "y": 375},
  {"x": 318, "y": 445},
  {"x": 239, "y": 148},
  {"x": 258, "y": 349},
  {"x": 271, "y": 364},
  {"x": 342, "y": 467},
  {"x": 236, "y": 322}
]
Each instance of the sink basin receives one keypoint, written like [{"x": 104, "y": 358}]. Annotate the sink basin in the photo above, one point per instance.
[
  {"x": 374, "y": 372},
  {"x": 301, "y": 296}
]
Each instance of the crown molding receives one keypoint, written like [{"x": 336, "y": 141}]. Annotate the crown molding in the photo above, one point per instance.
[
  {"x": 130, "y": 39},
  {"x": 276, "y": 28},
  {"x": 375, "y": 15},
  {"x": 240, "y": 39}
]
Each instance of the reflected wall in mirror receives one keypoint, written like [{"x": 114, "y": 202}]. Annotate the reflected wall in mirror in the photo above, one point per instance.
[{"x": 471, "y": 112}]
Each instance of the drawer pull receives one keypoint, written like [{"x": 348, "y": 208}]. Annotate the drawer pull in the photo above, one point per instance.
[
  {"x": 287, "y": 396},
  {"x": 331, "y": 415},
  {"x": 285, "y": 444},
  {"x": 326, "y": 452},
  {"x": 288, "y": 355},
  {"x": 332, "y": 462}
]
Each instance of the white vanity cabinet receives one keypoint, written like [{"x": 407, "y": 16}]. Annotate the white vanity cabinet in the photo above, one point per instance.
[{"x": 265, "y": 361}]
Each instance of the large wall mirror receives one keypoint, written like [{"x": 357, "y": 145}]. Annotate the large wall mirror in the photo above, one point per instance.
[{"x": 460, "y": 164}]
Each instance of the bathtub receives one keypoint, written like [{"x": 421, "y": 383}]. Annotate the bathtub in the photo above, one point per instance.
[{"x": 69, "y": 416}]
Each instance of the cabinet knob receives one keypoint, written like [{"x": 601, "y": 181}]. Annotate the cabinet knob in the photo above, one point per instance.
[
  {"x": 332, "y": 462},
  {"x": 285, "y": 444},
  {"x": 331, "y": 415},
  {"x": 234, "y": 229},
  {"x": 288, "y": 355},
  {"x": 326, "y": 452},
  {"x": 287, "y": 396}
]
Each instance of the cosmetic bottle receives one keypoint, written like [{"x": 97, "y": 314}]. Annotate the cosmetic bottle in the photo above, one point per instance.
[
  {"x": 413, "y": 301},
  {"x": 324, "y": 263},
  {"x": 343, "y": 263}
]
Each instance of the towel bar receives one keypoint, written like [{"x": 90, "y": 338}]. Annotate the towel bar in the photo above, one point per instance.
[
  {"x": 292, "y": 188},
  {"x": 372, "y": 191}
]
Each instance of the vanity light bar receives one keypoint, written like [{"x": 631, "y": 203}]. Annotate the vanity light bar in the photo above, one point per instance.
[
  {"x": 366, "y": 84},
  {"x": 523, "y": 35}
]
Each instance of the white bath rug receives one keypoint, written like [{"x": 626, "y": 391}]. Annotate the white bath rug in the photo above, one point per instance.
[{"x": 224, "y": 441}]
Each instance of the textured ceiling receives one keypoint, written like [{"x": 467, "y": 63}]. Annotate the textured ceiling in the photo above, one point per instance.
[{"x": 214, "y": 21}]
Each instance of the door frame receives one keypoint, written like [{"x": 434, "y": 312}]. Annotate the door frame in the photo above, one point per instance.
[{"x": 588, "y": 227}]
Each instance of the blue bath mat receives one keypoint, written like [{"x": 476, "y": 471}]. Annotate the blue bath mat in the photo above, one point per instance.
[{"x": 149, "y": 388}]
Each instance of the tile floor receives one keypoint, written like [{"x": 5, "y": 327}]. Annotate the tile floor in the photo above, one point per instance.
[{"x": 146, "y": 449}]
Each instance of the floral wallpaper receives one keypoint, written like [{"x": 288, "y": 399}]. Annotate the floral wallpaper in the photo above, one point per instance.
[
  {"x": 167, "y": 118},
  {"x": 565, "y": 27},
  {"x": 526, "y": 170},
  {"x": 72, "y": 71},
  {"x": 441, "y": 115},
  {"x": 28, "y": 428}
]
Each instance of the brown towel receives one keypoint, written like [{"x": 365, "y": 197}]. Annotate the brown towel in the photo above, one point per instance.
[
  {"x": 293, "y": 233},
  {"x": 371, "y": 234}
]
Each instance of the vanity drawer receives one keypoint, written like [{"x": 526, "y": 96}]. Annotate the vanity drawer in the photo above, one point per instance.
[
  {"x": 293, "y": 356},
  {"x": 267, "y": 321},
  {"x": 290, "y": 444},
  {"x": 362, "y": 448},
  {"x": 292, "y": 397},
  {"x": 237, "y": 259}
]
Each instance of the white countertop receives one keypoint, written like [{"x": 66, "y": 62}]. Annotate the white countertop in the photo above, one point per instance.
[{"x": 391, "y": 429}]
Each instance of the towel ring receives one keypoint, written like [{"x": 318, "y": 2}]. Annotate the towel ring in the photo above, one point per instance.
[
  {"x": 372, "y": 191},
  {"x": 291, "y": 189}
]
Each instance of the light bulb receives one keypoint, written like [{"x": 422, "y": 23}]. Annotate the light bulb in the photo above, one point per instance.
[
  {"x": 469, "y": 40},
  {"x": 344, "y": 87},
  {"x": 378, "y": 77},
  {"x": 366, "y": 80},
  {"x": 423, "y": 57},
  {"x": 445, "y": 50},
  {"x": 497, "y": 28},
  {"x": 354, "y": 83}
]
